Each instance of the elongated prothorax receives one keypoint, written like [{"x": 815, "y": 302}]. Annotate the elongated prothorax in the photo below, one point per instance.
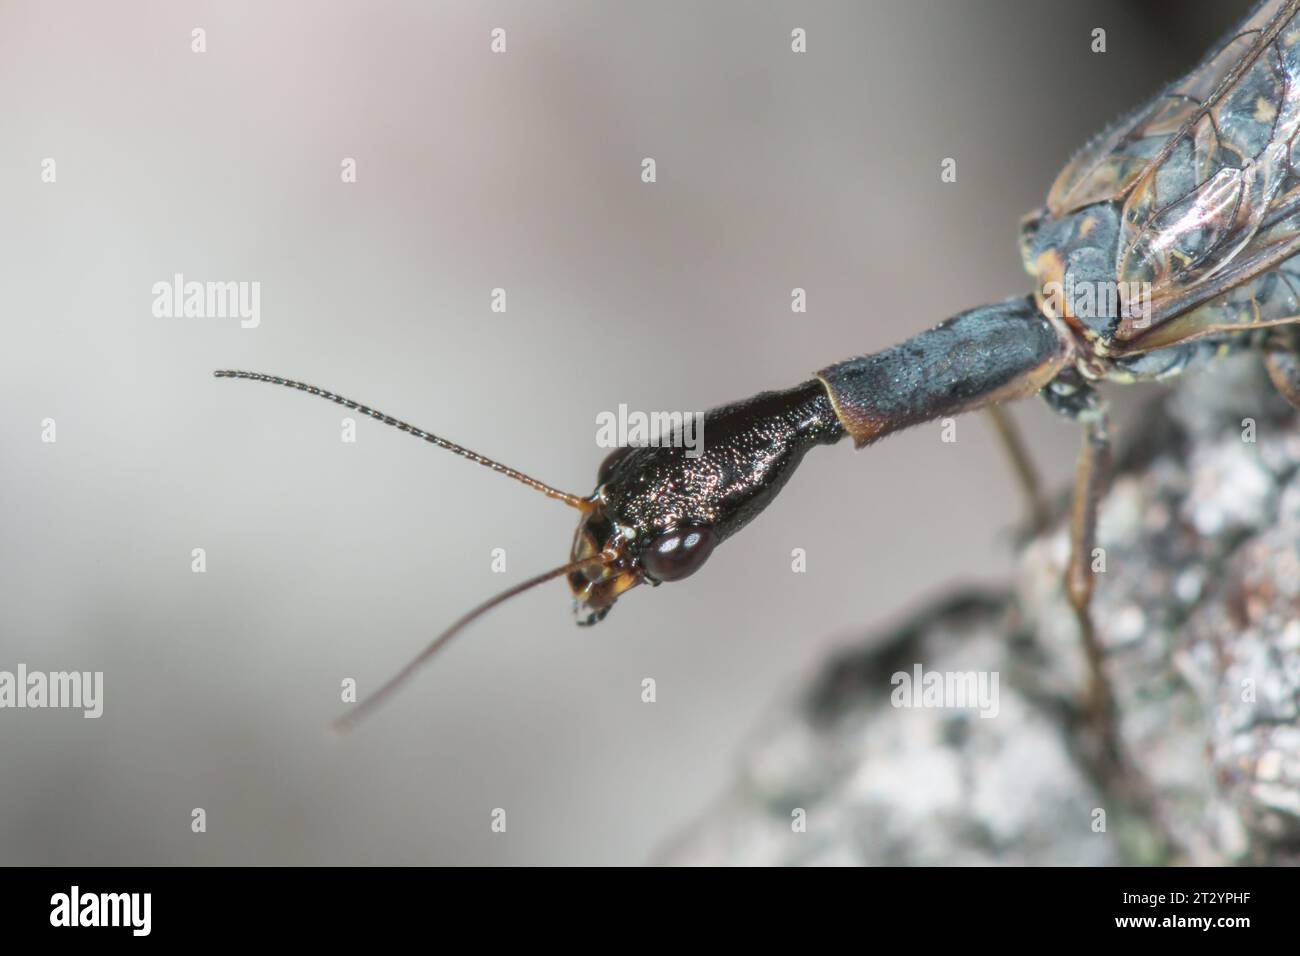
[{"x": 991, "y": 354}]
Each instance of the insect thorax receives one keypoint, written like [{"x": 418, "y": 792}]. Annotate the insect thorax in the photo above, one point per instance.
[{"x": 1072, "y": 260}]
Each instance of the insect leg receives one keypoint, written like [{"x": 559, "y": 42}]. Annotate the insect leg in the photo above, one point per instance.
[
  {"x": 1022, "y": 464},
  {"x": 1090, "y": 478},
  {"x": 1073, "y": 397}
]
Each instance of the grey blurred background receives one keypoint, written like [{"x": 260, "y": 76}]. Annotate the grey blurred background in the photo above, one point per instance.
[{"x": 329, "y": 560}]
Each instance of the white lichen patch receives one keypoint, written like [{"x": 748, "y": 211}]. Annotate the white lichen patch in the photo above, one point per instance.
[{"x": 1231, "y": 490}]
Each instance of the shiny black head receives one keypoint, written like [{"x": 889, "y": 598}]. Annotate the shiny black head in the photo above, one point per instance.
[{"x": 659, "y": 511}]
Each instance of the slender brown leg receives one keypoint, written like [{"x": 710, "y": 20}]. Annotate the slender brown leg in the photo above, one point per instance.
[
  {"x": 1090, "y": 478},
  {"x": 1022, "y": 464},
  {"x": 1118, "y": 774}
]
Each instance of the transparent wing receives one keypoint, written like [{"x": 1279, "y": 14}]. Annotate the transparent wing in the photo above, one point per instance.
[
  {"x": 1206, "y": 175},
  {"x": 1269, "y": 297},
  {"x": 1108, "y": 166}
]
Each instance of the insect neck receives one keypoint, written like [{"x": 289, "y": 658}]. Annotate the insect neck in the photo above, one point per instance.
[{"x": 991, "y": 354}]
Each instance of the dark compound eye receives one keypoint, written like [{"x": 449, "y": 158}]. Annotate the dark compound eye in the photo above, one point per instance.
[
  {"x": 611, "y": 462},
  {"x": 678, "y": 554}
]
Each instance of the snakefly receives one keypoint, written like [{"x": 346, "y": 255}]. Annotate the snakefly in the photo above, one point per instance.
[{"x": 1171, "y": 238}]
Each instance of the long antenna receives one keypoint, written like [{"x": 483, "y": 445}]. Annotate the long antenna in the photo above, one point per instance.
[
  {"x": 573, "y": 501},
  {"x": 347, "y": 722}
]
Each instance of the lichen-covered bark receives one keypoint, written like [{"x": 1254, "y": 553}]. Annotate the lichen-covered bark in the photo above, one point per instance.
[{"x": 1199, "y": 609}]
